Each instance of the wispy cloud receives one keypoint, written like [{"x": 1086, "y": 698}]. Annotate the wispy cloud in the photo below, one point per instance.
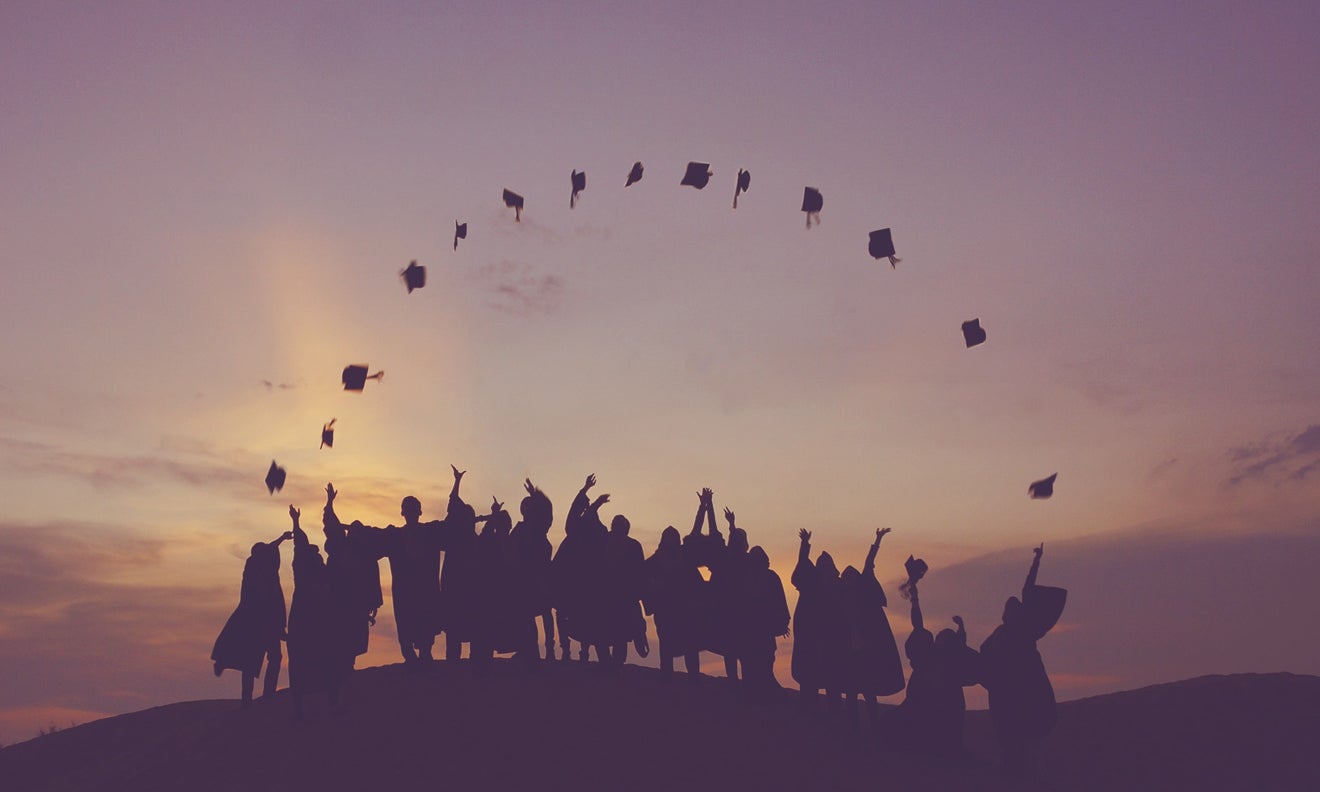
[
  {"x": 518, "y": 289},
  {"x": 231, "y": 471},
  {"x": 274, "y": 386},
  {"x": 1294, "y": 457}
]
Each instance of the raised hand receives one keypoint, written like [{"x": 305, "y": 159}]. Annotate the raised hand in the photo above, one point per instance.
[
  {"x": 805, "y": 536},
  {"x": 958, "y": 621},
  {"x": 495, "y": 505},
  {"x": 294, "y": 513},
  {"x": 458, "y": 474},
  {"x": 600, "y": 501},
  {"x": 705, "y": 495},
  {"x": 591, "y": 482},
  {"x": 530, "y": 487},
  {"x": 287, "y": 535},
  {"x": 330, "y": 492},
  {"x": 880, "y": 534},
  {"x": 1038, "y": 550},
  {"x": 728, "y": 515}
]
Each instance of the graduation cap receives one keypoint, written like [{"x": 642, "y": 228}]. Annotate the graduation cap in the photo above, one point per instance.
[
  {"x": 414, "y": 276},
  {"x": 274, "y": 477},
  {"x": 328, "y": 434},
  {"x": 972, "y": 333},
  {"x": 698, "y": 175},
  {"x": 881, "y": 246},
  {"x": 812, "y": 201},
  {"x": 916, "y": 570},
  {"x": 460, "y": 232},
  {"x": 744, "y": 181},
  {"x": 634, "y": 175},
  {"x": 1043, "y": 488},
  {"x": 515, "y": 201},
  {"x": 579, "y": 184},
  {"x": 355, "y": 377}
]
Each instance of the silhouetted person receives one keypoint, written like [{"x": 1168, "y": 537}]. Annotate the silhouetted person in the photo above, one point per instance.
[
  {"x": 932, "y": 713},
  {"x": 760, "y": 616},
  {"x": 819, "y": 625},
  {"x": 313, "y": 664},
  {"x": 352, "y": 563},
  {"x": 460, "y": 580},
  {"x": 497, "y": 621},
  {"x": 1022, "y": 704},
  {"x": 576, "y": 573},
  {"x": 673, "y": 589},
  {"x": 253, "y": 632},
  {"x": 872, "y": 667},
  {"x": 622, "y": 581},
  {"x": 705, "y": 550},
  {"x": 728, "y": 574},
  {"x": 531, "y": 540}
]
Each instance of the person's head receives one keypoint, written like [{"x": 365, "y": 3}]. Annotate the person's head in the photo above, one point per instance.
[
  {"x": 947, "y": 640},
  {"x": 411, "y": 509},
  {"x": 758, "y": 558},
  {"x": 738, "y": 540},
  {"x": 620, "y": 525},
  {"x": 825, "y": 567},
  {"x": 1012, "y": 610},
  {"x": 499, "y": 523},
  {"x": 919, "y": 645},
  {"x": 537, "y": 511},
  {"x": 850, "y": 576},
  {"x": 670, "y": 541},
  {"x": 461, "y": 516},
  {"x": 258, "y": 550}
]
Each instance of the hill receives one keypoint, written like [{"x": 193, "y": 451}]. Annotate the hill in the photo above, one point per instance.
[{"x": 570, "y": 727}]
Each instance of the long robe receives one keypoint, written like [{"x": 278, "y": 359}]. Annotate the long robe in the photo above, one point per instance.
[
  {"x": 1021, "y": 697},
  {"x": 313, "y": 659},
  {"x": 820, "y": 633},
  {"x": 257, "y": 624},
  {"x": 672, "y": 599},
  {"x": 872, "y": 666}
]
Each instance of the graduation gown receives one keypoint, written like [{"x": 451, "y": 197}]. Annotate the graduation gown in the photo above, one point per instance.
[{"x": 258, "y": 623}]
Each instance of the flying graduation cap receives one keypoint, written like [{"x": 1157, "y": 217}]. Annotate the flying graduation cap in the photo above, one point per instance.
[
  {"x": 634, "y": 175},
  {"x": 328, "y": 434},
  {"x": 414, "y": 276},
  {"x": 460, "y": 231},
  {"x": 1042, "y": 489},
  {"x": 355, "y": 377},
  {"x": 579, "y": 184},
  {"x": 515, "y": 201},
  {"x": 812, "y": 202},
  {"x": 881, "y": 245},
  {"x": 973, "y": 333},
  {"x": 744, "y": 181},
  {"x": 274, "y": 477},
  {"x": 698, "y": 175}
]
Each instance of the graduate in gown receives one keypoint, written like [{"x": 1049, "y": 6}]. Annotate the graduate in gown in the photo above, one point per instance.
[
  {"x": 314, "y": 665},
  {"x": 1022, "y": 706},
  {"x": 253, "y": 633},
  {"x": 673, "y": 586},
  {"x": 872, "y": 667}
]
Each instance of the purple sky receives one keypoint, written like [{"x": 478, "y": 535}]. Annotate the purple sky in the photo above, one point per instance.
[{"x": 204, "y": 208}]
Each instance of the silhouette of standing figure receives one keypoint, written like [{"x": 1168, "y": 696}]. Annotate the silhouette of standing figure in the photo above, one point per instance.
[
  {"x": 1022, "y": 704},
  {"x": 933, "y": 711},
  {"x": 728, "y": 579},
  {"x": 577, "y": 571},
  {"x": 312, "y": 657},
  {"x": 497, "y": 621},
  {"x": 622, "y": 577},
  {"x": 531, "y": 540},
  {"x": 253, "y": 633},
  {"x": 673, "y": 586},
  {"x": 819, "y": 627},
  {"x": 352, "y": 563},
  {"x": 872, "y": 667},
  {"x": 760, "y": 616},
  {"x": 460, "y": 579}
]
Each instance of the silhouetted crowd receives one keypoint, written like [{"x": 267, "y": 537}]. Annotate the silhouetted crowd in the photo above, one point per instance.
[{"x": 597, "y": 589}]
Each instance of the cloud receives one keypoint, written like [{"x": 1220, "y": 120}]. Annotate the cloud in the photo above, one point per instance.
[
  {"x": 202, "y": 467},
  {"x": 518, "y": 289},
  {"x": 1293, "y": 457},
  {"x": 273, "y": 386}
]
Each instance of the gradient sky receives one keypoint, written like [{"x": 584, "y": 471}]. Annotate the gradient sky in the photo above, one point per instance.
[{"x": 204, "y": 208}]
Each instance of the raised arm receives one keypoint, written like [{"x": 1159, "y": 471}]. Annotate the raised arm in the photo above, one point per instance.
[
  {"x": 701, "y": 512},
  {"x": 917, "y": 622},
  {"x": 329, "y": 518},
  {"x": 962, "y": 629},
  {"x": 458, "y": 479},
  {"x": 869, "y": 567},
  {"x": 299, "y": 538},
  {"x": 711, "y": 527},
  {"x": 281, "y": 538},
  {"x": 1035, "y": 567}
]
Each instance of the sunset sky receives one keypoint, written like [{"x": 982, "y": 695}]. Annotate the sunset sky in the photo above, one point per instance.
[{"x": 204, "y": 208}]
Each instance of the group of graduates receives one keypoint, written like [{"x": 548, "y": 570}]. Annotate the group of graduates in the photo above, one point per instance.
[{"x": 598, "y": 587}]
